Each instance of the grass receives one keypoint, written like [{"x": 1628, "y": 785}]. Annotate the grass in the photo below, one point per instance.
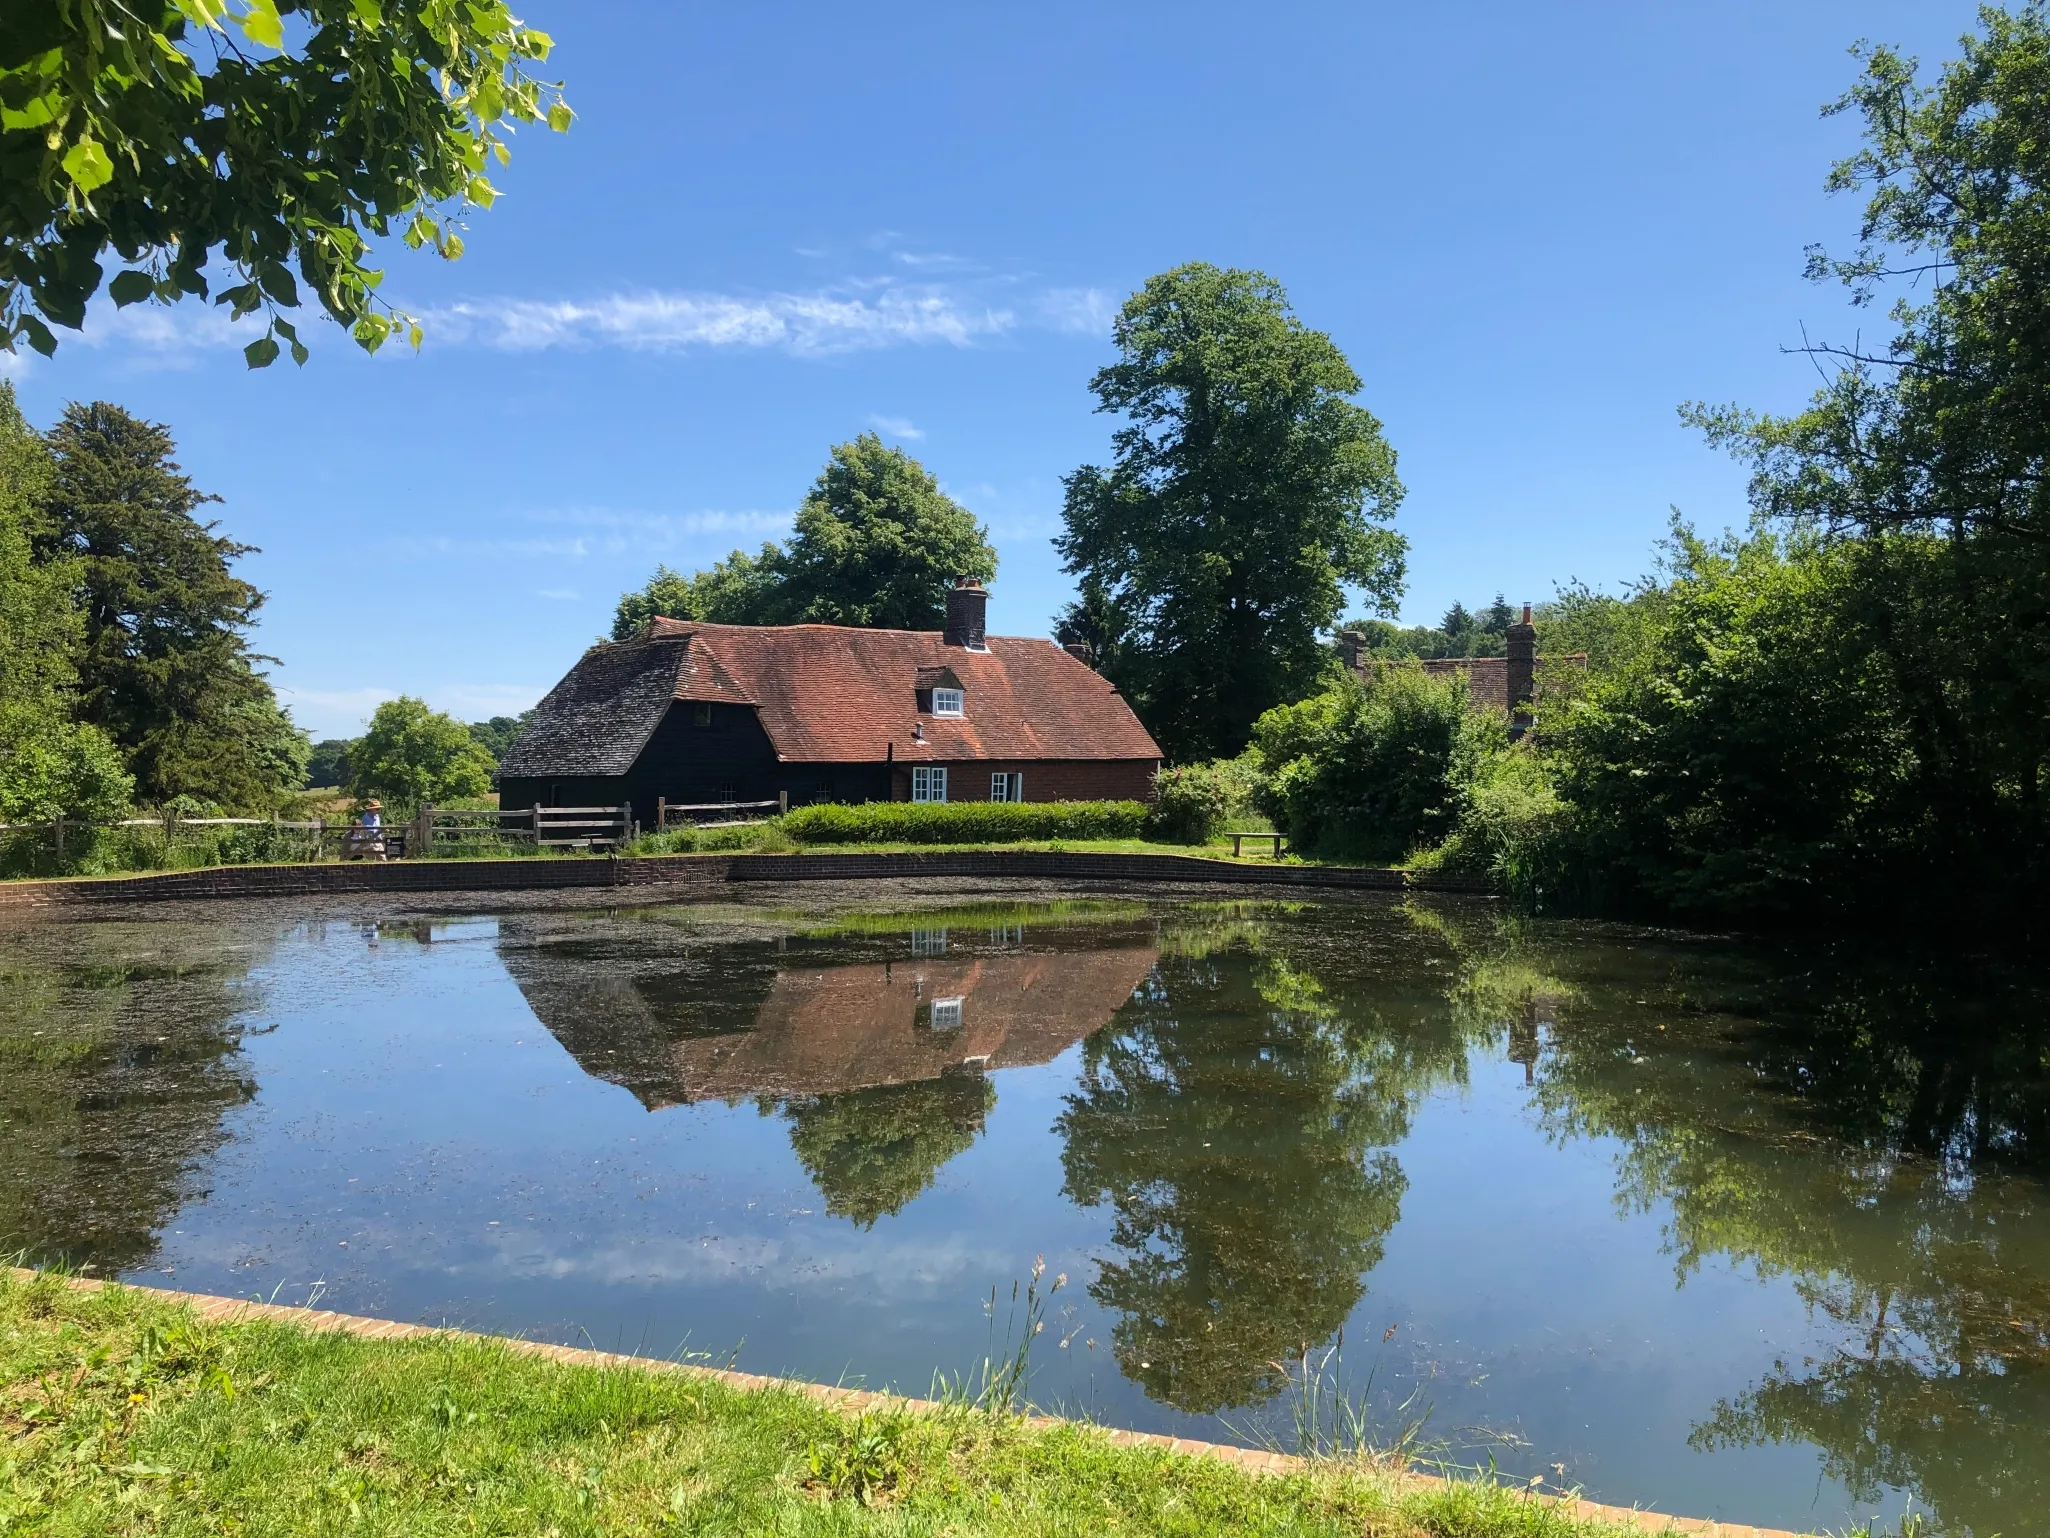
[{"x": 121, "y": 1413}]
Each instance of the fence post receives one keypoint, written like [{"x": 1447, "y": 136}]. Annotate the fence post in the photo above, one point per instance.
[
  {"x": 661, "y": 814},
  {"x": 537, "y": 827},
  {"x": 319, "y": 839},
  {"x": 423, "y": 832},
  {"x": 782, "y": 803}
]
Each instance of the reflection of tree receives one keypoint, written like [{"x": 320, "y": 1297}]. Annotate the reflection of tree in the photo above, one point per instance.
[
  {"x": 117, "y": 1061},
  {"x": 1230, "y": 1116},
  {"x": 1874, "y": 1130},
  {"x": 873, "y": 1150}
]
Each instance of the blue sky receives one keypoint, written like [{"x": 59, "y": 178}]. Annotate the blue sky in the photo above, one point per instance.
[{"x": 1535, "y": 230}]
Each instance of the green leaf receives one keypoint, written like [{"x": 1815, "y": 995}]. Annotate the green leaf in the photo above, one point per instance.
[
  {"x": 481, "y": 192},
  {"x": 560, "y": 117},
  {"x": 369, "y": 12},
  {"x": 38, "y": 335},
  {"x": 87, "y": 165},
  {"x": 206, "y": 13},
  {"x": 299, "y": 352},
  {"x": 264, "y": 26},
  {"x": 261, "y": 353},
  {"x": 130, "y": 288}
]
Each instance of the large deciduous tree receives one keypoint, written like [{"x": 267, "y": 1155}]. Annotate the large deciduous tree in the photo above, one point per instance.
[
  {"x": 413, "y": 754},
  {"x": 1931, "y": 451},
  {"x": 1247, "y": 492},
  {"x": 877, "y": 544},
  {"x": 164, "y": 666},
  {"x": 285, "y": 138}
]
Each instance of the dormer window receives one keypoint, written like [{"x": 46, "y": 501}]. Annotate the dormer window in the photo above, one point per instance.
[{"x": 948, "y": 702}]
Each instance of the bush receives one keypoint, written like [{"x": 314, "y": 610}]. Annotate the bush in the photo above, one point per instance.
[
  {"x": 1192, "y": 802},
  {"x": 964, "y": 822},
  {"x": 1372, "y": 772},
  {"x": 1512, "y": 824}
]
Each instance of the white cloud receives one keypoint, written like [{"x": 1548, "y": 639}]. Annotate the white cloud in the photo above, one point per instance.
[
  {"x": 896, "y": 427},
  {"x": 652, "y": 321},
  {"x": 1084, "y": 311}
]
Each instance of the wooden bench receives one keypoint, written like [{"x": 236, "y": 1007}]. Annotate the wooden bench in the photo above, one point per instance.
[{"x": 1238, "y": 838}]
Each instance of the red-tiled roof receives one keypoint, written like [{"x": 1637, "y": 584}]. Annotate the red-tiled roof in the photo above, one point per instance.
[{"x": 833, "y": 694}]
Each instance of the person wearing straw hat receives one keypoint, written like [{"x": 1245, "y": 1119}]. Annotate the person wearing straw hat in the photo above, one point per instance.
[{"x": 366, "y": 839}]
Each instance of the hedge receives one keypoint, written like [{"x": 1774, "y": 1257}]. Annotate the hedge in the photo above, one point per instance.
[{"x": 964, "y": 822}]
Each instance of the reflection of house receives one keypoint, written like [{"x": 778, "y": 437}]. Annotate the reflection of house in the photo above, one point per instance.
[
  {"x": 753, "y": 1023},
  {"x": 840, "y": 1028}
]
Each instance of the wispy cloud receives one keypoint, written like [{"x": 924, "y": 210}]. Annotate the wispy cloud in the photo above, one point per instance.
[
  {"x": 896, "y": 427},
  {"x": 345, "y": 711},
  {"x": 1086, "y": 311},
  {"x": 653, "y": 321}
]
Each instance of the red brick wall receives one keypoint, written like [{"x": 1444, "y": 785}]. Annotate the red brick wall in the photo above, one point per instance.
[{"x": 1113, "y": 779}]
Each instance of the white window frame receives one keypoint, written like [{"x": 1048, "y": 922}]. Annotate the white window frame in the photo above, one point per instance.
[
  {"x": 945, "y": 1014},
  {"x": 929, "y": 782},
  {"x": 949, "y": 702},
  {"x": 1007, "y": 787}
]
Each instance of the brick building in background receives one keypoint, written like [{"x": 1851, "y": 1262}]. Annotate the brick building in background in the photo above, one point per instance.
[
  {"x": 1505, "y": 686},
  {"x": 692, "y": 713}
]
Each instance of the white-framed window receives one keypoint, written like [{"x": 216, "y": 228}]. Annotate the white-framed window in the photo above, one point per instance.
[
  {"x": 1006, "y": 787},
  {"x": 929, "y": 783},
  {"x": 948, "y": 702},
  {"x": 946, "y": 1014}
]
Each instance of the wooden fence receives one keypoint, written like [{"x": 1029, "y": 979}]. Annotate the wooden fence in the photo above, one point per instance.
[
  {"x": 679, "y": 814},
  {"x": 432, "y": 831}
]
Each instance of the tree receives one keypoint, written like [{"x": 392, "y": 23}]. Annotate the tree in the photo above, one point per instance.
[
  {"x": 50, "y": 766},
  {"x": 413, "y": 755},
  {"x": 873, "y": 1150},
  {"x": 497, "y": 735},
  {"x": 1929, "y": 451},
  {"x": 165, "y": 667},
  {"x": 289, "y": 136},
  {"x": 1246, "y": 493},
  {"x": 327, "y": 764},
  {"x": 877, "y": 544},
  {"x": 740, "y": 590}
]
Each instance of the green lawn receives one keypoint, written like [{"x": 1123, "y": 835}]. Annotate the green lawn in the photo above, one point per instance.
[{"x": 121, "y": 1413}]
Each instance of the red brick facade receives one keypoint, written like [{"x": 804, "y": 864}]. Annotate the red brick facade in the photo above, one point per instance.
[{"x": 1097, "y": 779}]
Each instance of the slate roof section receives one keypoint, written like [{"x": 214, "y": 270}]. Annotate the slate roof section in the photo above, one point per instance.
[
  {"x": 599, "y": 717},
  {"x": 830, "y": 694}
]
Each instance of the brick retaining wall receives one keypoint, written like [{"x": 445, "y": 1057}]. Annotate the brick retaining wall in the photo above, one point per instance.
[{"x": 705, "y": 874}]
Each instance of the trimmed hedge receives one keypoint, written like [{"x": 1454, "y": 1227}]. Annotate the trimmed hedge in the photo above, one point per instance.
[{"x": 964, "y": 822}]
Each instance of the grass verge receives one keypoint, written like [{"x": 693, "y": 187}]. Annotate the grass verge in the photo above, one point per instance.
[{"x": 122, "y": 1413}]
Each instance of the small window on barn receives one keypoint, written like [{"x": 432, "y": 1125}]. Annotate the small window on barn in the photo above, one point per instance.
[
  {"x": 703, "y": 714},
  {"x": 947, "y": 702}
]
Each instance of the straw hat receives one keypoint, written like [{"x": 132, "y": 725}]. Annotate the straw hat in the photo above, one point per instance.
[{"x": 373, "y": 805}]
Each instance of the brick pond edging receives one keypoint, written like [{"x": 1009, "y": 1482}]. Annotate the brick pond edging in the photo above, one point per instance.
[
  {"x": 216, "y": 1310},
  {"x": 705, "y": 874}
]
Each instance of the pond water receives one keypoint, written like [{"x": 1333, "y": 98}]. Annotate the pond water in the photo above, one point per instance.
[{"x": 1721, "y": 1229}]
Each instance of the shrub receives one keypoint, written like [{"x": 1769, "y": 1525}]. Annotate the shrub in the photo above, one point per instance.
[
  {"x": 1372, "y": 772},
  {"x": 964, "y": 822},
  {"x": 1512, "y": 824},
  {"x": 1192, "y": 802}
]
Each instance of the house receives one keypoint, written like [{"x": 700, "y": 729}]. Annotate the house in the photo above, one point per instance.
[
  {"x": 692, "y": 713},
  {"x": 1504, "y": 686}
]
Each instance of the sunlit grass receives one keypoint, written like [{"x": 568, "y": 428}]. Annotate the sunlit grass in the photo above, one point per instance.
[{"x": 122, "y": 1414}]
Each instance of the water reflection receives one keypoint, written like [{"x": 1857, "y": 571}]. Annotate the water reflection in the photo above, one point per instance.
[
  {"x": 878, "y": 1067},
  {"x": 1249, "y": 1125},
  {"x": 118, "y": 1060},
  {"x": 1870, "y": 1130}
]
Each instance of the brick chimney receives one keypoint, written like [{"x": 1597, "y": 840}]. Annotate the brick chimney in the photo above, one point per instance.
[
  {"x": 1521, "y": 645},
  {"x": 967, "y": 613}
]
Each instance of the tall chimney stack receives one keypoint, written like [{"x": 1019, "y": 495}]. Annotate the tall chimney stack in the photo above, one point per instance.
[
  {"x": 967, "y": 614},
  {"x": 1521, "y": 645}
]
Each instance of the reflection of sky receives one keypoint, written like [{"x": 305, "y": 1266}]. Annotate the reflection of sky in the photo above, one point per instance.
[{"x": 425, "y": 1149}]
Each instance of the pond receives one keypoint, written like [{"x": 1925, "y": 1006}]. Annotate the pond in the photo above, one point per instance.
[{"x": 1714, "y": 1227}]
